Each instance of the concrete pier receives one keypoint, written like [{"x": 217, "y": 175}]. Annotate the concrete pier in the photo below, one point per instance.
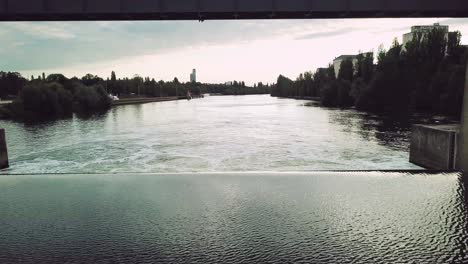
[
  {"x": 463, "y": 139},
  {"x": 435, "y": 146},
  {"x": 444, "y": 146},
  {"x": 3, "y": 150}
]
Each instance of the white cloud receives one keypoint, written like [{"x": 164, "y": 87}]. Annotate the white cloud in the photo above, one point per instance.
[
  {"x": 255, "y": 51},
  {"x": 44, "y": 30}
]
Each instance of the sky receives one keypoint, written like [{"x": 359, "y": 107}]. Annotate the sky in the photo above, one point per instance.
[{"x": 221, "y": 51}]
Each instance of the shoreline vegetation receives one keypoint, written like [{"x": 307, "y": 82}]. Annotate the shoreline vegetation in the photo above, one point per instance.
[
  {"x": 56, "y": 96},
  {"x": 425, "y": 76}
]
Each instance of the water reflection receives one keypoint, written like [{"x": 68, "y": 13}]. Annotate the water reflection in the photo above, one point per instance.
[
  {"x": 91, "y": 116},
  {"x": 462, "y": 222},
  {"x": 389, "y": 131},
  {"x": 392, "y": 131},
  {"x": 322, "y": 217}
]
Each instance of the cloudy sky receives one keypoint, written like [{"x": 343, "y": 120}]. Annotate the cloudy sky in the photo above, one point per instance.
[{"x": 252, "y": 50}]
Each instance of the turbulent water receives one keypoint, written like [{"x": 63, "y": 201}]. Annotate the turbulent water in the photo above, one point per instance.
[
  {"x": 222, "y": 133},
  {"x": 233, "y": 218}
]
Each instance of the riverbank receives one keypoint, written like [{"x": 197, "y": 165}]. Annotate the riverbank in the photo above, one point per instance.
[
  {"x": 144, "y": 100},
  {"x": 310, "y": 98},
  {"x": 6, "y": 107}
]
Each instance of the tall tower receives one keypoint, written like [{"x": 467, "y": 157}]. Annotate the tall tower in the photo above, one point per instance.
[{"x": 193, "y": 76}]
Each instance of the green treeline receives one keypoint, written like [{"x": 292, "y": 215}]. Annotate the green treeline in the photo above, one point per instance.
[
  {"x": 53, "y": 97},
  {"x": 150, "y": 87},
  {"x": 56, "y": 96},
  {"x": 236, "y": 88},
  {"x": 425, "y": 76}
]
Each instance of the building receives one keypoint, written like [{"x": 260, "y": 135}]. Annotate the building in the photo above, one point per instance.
[
  {"x": 423, "y": 30},
  {"x": 354, "y": 58},
  {"x": 338, "y": 60},
  {"x": 322, "y": 70},
  {"x": 193, "y": 76}
]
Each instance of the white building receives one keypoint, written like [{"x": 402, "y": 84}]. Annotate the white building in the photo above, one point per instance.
[
  {"x": 354, "y": 58},
  {"x": 193, "y": 76},
  {"x": 338, "y": 60},
  {"x": 423, "y": 30}
]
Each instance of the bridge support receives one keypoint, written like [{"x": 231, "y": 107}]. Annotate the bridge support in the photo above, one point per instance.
[
  {"x": 3, "y": 150},
  {"x": 463, "y": 139}
]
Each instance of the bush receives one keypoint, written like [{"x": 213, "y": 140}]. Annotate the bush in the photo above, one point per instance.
[
  {"x": 41, "y": 100},
  {"x": 44, "y": 100},
  {"x": 91, "y": 98}
]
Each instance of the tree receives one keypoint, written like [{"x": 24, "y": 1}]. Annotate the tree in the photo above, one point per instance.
[
  {"x": 388, "y": 90},
  {"x": 91, "y": 99},
  {"x": 90, "y": 79},
  {"x": 11, "y": 84},
  {"x": 331, "y": 75},
  {"x": 364, "y": 66},
  {"x": 346, "y": 70},
  {"x": 45, "y": 100},
  {"x": 308, "y": 83},
  {"x": 454, "y": 48},
  {"x": 282, "y": 87},
  {"x": 57, "y": 77},
  {"x": 336, "y": 94}
]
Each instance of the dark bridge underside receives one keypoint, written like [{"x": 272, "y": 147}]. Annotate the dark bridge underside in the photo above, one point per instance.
[{"x": 25, "y": 10}]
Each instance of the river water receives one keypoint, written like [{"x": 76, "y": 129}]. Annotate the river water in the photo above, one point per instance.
[
  {"x": 317, "y": 217},
  {"x": 217, "y": 133},
  {"x": 249, "y": 217}
]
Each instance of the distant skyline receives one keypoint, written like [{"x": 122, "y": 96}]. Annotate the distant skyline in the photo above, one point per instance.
[{"x": 250, "y": 51}]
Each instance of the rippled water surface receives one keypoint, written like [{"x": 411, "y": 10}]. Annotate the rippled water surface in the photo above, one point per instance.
[
  {"x": 223, "y": 133},
  {"x": 233, "y": 218}
]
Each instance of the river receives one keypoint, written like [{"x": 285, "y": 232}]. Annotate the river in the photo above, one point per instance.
[
  {"x": 211, "y": 217},
  {"x": 217, "y": 133},
  {"x": 315, "y": 217}
]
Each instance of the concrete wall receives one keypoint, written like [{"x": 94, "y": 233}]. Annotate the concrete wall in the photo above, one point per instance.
[
  {"x": 3, "y": 150},
  {"x": 434, "y": 146},
  {"x": 463, "y": 138}
]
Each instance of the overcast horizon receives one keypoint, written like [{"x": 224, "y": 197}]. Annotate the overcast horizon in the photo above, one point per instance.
[{"x": 247, "y": 50}]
